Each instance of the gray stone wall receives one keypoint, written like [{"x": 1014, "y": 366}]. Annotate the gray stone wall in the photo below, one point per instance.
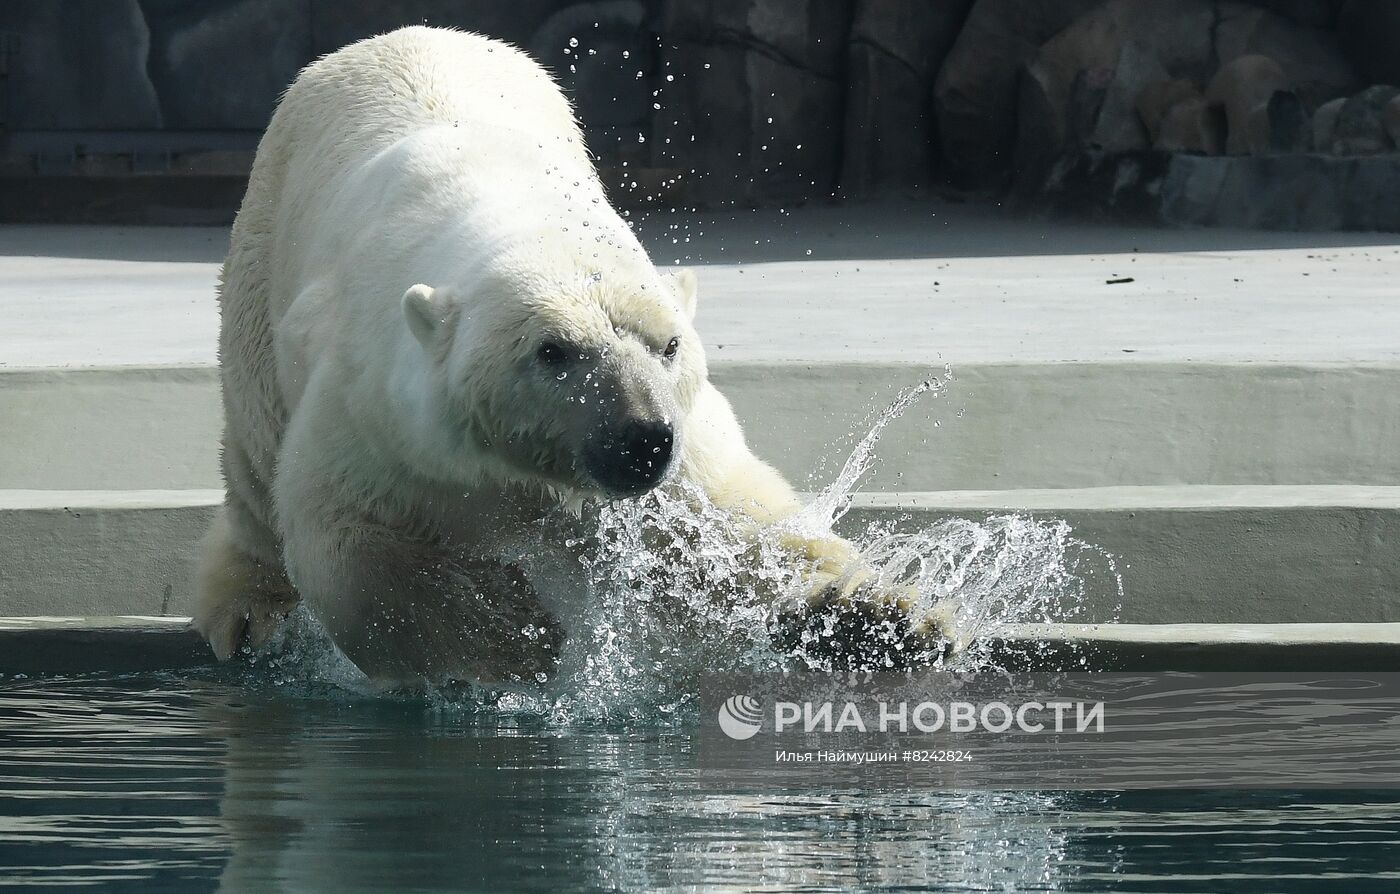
[
  {"x": 721, "y": 101},
  {"x": 743, "y": 101}
]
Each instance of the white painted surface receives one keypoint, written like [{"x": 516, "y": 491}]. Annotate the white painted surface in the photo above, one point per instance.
[
  {"x": 1296, "y": 496},
  {"x": 923, "y": 285},
  {"x": 1210, "y": 554}
]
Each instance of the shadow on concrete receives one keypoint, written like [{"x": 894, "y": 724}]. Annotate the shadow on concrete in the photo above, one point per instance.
[
  {"x": 192, "y": 245},
  {"x": 842, "y": 232},
  {"x": 937, "y": 230}
]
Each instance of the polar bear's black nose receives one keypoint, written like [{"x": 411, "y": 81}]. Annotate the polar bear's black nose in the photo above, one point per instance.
[
  {"x": 648, "y": 445},
  {"x": 645, "y": 452},
  {"x": 636, "y": 458}
]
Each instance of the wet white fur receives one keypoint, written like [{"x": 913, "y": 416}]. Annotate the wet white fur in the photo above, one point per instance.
[{"x": 421, "y": 212}]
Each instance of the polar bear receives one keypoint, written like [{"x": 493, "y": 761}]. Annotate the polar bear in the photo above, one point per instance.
[{"x": 435, "y": 332}]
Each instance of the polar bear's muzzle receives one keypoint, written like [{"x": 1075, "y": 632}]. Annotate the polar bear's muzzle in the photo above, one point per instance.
[{"x": 633, "y": 459}]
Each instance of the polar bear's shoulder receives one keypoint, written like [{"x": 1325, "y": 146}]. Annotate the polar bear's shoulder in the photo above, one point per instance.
[
  {"x": 420, "y": 77},
  {"x": 438, "y": 67},
  {"x": 420, "y": 51}
]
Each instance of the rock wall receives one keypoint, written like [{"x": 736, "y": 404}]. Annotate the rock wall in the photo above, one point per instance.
[
  {"x": 894, "y": 52},
  {"x": 754, "y": 101},
  {"x": 108, "y": 90},
  {"x": 752, "y": 96}
]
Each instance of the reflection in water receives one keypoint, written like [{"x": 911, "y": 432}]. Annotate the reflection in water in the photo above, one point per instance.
[{"x": 190, "y": 784}]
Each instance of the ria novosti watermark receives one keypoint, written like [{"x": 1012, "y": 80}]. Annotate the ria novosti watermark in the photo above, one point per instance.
[
  {"x": 1056, "y": 731},
  {"x": 741, "y": 717}
]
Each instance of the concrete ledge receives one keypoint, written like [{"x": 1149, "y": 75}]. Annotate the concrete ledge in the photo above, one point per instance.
[
  {"x": 1203, "y": 647},
  {"x": 100, "y": 552},
  {"x": 1085, "y": 356},
  {"x": 1203, "y": 497},
  {"x": 1022, "y": 425},
  {"x": 1199, "y": 554},
  {"x": 1206, "y": 554},
  {"x": 153, "y": 427},
  {"x": 48, "y": 645}
]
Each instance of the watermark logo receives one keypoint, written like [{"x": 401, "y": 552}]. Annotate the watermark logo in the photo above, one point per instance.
[
  {"x": 1055, "y": 730},
  {"x": 741, "y": 717}
]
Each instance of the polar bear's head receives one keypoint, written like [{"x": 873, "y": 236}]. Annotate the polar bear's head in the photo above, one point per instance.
[{"x": 584, "y": 386}]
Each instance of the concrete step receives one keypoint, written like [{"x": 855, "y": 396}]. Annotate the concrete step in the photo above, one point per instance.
[
  {"x": 1085, "y": 356},
  {"x": 1332, "y": 648},
  {"x": 1187, "y": 554},
  {"x": 68, "y": 645},
  {"x": 100, "y": 552},
  {"x": 1206, "y": 554},
  {"x": 1004, "y": 426}
]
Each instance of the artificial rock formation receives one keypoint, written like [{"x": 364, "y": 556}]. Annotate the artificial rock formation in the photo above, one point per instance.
[
  {"x": 753, "y": 97},
  {"x": 895, "y": 50},
  {"x": 1243, "y": 88},
  {"x": 1361, "y": 123}
]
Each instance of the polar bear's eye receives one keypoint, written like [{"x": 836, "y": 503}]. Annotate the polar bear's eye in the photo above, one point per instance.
[
  {"x": 551, "y": 354},
  {"x": 671, "y": 347}
]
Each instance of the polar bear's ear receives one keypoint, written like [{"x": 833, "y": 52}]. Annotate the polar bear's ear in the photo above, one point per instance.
[
  {"x": 426, "y": 313},
  {"x": 683, "y": 284}
]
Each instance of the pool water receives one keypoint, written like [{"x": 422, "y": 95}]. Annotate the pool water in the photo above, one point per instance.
[{"x": 204, "y": 781}]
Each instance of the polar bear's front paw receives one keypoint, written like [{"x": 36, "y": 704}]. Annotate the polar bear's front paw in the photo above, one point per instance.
[
  {"x": 250, "y": 618},
  {"x": 240, "y": 601},
  {"x": 850, "y": 623}
]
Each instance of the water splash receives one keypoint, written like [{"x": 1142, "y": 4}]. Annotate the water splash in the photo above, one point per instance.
[
  {"x": 677, "y": 589},
  {"x": 822, "y": 513},
  {"x": 681, "y": 591}
]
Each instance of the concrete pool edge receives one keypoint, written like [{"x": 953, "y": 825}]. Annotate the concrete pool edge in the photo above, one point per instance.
[
  {"x": 1259, "y": 648},
  {"x": 1193, "y": 553},
  {"x": 42, "y": 646},
  {"x": 1009, "y": 424}
]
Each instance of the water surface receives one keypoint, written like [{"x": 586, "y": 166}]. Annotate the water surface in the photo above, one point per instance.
[{"x": 212, "y": 781}]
